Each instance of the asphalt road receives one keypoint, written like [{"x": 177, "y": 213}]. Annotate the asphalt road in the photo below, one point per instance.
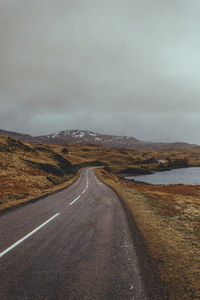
[{"x": 75, "y": 244}]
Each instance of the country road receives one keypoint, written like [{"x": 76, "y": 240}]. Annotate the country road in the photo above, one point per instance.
[{"x": 74, "y": 244}]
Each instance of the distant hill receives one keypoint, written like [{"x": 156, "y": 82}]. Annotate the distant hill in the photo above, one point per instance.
[
  {"x": 84, "y": 136},
  {"x": 28, "y": 170}
]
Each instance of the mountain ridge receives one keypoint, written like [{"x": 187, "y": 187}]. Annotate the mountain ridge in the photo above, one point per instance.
[{"x": 85, "y": 136}]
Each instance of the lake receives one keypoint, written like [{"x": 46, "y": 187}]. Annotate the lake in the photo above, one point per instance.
[{"x": 176, "y": 176}]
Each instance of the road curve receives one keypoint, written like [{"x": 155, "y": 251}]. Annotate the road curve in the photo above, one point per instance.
[{"x": 74, "y": 244}]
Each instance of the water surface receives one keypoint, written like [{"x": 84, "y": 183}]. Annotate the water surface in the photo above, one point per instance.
[{"x": 176, "y": 176}]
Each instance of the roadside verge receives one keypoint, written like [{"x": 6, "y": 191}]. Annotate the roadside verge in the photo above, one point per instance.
[
  {"x": 168, "y": 220},
  {"x": 152, "y": 283},
  {"x": 30, "y": 199}
]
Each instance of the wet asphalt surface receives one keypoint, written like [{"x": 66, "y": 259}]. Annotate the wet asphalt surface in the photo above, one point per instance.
[{"x": 85, "y": 252}]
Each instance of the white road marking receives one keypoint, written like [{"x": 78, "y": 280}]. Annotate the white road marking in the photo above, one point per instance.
[
  {"x": 84, "y": 191},
  {"x": 87, "y": 181},
  {"x": 131, "y": 287},
  {"x": 75, "y": 200},
  {"x": 81, "y": 192},
  {"x": 28, "y": 235}
]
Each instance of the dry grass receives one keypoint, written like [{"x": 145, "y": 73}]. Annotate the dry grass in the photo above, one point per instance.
[
  {"x": 169, "y": 219},
  {"x": 118, "y": 159},
  {"x": 17, "y": 197},
  {"x": 21, "y": 177}
]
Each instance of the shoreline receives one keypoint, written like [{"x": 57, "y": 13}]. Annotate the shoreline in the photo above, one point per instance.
[
  {"x": 141, "y": 182},
  {"x": 168, "y": 218}
]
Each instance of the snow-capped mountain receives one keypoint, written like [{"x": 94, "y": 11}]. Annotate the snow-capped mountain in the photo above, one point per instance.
[{"x": 84, "y": 136}]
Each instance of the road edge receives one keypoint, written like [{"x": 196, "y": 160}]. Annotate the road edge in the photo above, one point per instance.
[
  {"x": 150, "y": 279},
  {"x": 35, "y": 199}
]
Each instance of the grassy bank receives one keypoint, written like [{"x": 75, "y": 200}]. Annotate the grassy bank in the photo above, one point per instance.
[
  {"x": 169, "y": 220},
  {"x": 28, "y": 171},
  {"x": 38, "y": 193},
  {"x": 168, "y": 217}
]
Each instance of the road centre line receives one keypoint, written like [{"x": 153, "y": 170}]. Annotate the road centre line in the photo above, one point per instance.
[
  {"x": 42, "y": 225},
  {"x": 75, "y": 200},
  {"x": 78, "y": 197},
  {"x": 81, "y": 192},
  {"x": 87, "y": 180},
  {"x": 27, "y": 236}
]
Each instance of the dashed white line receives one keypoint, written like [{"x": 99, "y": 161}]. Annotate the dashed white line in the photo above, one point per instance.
[
  {"x": 81, "y": 192},
  {"x": 28, "y": 235},
  {"x": 42, "y": 225},
  {"x": 87, "y": 181},
  {"x": 75, "y": 200}
]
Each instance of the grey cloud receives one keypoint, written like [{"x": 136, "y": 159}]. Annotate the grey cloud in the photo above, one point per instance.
[{"x": 124, "y": 67}]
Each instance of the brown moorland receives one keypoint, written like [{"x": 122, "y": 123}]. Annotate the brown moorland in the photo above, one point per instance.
[
  {"x": 29, "y": 170},
  {"x": 169, "y": 219},
  {"x": 167, "y": 216}
]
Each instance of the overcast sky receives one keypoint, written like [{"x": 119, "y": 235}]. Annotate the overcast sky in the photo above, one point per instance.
[{"x": 112, "y": 66}]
